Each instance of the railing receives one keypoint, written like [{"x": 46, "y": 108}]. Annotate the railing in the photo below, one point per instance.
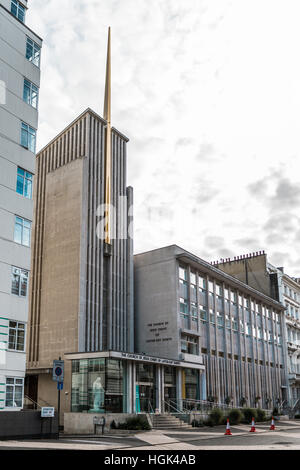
[
  {"x": 296, "y": 404},
  {"x": 173, "y": 405},
  {"x": 189, "y": 406},
  {"x": 30, "y": 404}
]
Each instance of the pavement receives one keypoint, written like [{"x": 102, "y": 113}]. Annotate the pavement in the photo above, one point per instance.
[{"x": 285, "y": 437}]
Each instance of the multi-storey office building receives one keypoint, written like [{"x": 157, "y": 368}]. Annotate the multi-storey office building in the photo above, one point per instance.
[
  {"x": 257, "y": 271},
  {"x": 20, "y": 53},
  {"x": 187, "y": 309}
]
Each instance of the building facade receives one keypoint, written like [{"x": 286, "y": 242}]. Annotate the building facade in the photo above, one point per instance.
[
  {"x": 20, "y": 54},
  {"x": 187, "y": 309},
  {"x": 257, "y": 271}
]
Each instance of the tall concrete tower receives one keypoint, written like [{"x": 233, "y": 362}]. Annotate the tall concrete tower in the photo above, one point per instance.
[
  {"x": 82, "y": 263},
  {"x": 20, "y": 53}
]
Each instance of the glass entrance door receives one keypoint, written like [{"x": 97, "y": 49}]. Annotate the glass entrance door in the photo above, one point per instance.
[
  {"x": 147, "y": 398},
  {"x": 170, "y": 404},
  {"x": 145, "y": 381}
]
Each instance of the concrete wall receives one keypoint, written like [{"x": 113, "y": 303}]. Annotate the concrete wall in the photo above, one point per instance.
[
  {"x": 82, "y": 423},
  {"x": 27, "y": 424},
  {"x": 61, "y": 264},
  {"x": 156, "y": 318}
]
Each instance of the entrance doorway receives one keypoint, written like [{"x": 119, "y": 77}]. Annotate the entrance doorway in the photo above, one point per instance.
[
  {"x": 145, "y": 388},
  {"x": 147, "y": 402}
]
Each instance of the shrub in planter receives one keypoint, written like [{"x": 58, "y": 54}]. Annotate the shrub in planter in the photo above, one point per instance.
[
  {"x": 216, "y": 416},
  {"x": 235, "y": 416},
  {"x": 275, "y": 411},
  {"x": 136, "y": 423},
  {"x": 260, "y": 415},
  {"x": 249, "y": 413},
  {"x": 297, "y": 416}
]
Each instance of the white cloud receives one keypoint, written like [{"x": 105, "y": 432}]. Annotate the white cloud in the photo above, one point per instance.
[{"x": 207, "y": 91}]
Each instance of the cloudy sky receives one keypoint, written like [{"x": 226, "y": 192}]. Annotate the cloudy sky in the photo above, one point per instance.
[{"x": 208, "y": 91}]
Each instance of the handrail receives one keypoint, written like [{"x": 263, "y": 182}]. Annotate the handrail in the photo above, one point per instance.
[
  {"x": 36, "y": 403},
  {"x": 31, "y": 400},
  {"x": 176, "y": 409}
]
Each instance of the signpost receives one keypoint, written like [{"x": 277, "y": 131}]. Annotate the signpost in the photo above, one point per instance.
[{"x": 58, "y": 376}]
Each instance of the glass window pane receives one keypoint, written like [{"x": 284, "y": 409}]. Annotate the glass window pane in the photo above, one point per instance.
[
  {"x": 28, "y": 189},
  {"x": 18, "y": 233},
  {"x": 34, "y": 96},
  {"x": 14, "y": 9},
  {"x": 20, "y": 184},
  {"x": 26, "y": 236},
  {"x": 12, "y": 338},
  {"x": 9, "y": 395},
  {"x": 31, "y": 140},
  {"x": 20, "y": 340},
  {"x": 15, "y": 284},
  {"x": 18, "y": 395},
  {"x": 24, "y": 136},
  {"x": 26, "y": 92},
  {"x": 24, "y": 283},
  {"x": 29, "y": 49}
]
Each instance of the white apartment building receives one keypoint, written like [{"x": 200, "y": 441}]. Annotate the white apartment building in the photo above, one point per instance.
[
  {"x": 20, "y": 54},
  {"x": 289, "y": 295}
]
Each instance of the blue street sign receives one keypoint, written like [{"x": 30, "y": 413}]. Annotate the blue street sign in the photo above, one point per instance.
[
  {"x": 58, "y": 371},
  {"x": 60, "y": 385}
]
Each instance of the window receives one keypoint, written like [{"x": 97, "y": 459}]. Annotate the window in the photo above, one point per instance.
[
  {"x": 14, "y": 392},
  {"x": 219, "y": 290},
  {"x": 16, "y": 338},
  {"x": 193, "y": 278},
  {"x": 182, "y": 273},
  {"x": 28, "y": 137},
  {"x": 22, "y": 231},
  {"x": 30, "y": 93},
  {"x": 183, "y": 288},
  {"x": 189, "y": 345},
  {"x": 18, "y": 10},
  {"x": 183, "y": 306},
  {"x": 19, "y": 282},
  {"x": 202, "y": 283},
  {"x": 24, "y": 183},
  {"x": 33, "y": 52},
  {"x": 194, "y": 311},
  {"x": 203, "y": 314},
  {"x": 220, "y": 319}
]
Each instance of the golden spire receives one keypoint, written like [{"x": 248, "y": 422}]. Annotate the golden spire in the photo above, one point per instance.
[
  {"x": 107, "y": 97},
  {"x": 107, "y": 117}
]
